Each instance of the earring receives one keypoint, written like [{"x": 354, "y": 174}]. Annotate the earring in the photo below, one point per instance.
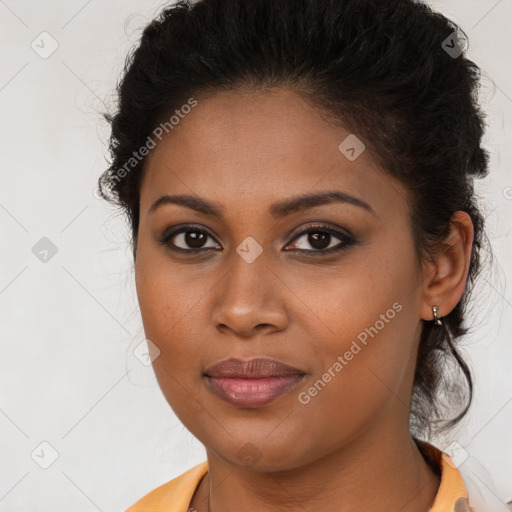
[{"x": 437, "y": 319}]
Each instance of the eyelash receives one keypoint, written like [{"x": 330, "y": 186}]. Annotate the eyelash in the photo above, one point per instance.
[{"x": 345, "y": 240}]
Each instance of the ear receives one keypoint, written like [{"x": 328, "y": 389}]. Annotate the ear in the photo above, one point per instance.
[{"x": 447, "y": 273}]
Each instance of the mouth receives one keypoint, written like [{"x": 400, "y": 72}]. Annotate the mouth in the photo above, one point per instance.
[{"x": 252, "y": 383}]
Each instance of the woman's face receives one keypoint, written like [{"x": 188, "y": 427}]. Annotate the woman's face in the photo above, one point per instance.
[{"x": 347, "y": 320}]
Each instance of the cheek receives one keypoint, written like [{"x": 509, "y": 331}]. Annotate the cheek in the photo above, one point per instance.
[
  {"x": 169, "y": 311},
  {"x": 161, "y": 289},
  {"x": 359, "y": 296},
  {"x": 360, "y": 374},
  {"x": 365, "y": 342}
]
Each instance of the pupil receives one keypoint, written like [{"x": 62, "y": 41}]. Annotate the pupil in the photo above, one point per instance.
[
  {"x": 319, "y": 240},
  {"x": 194, "y": 239}
]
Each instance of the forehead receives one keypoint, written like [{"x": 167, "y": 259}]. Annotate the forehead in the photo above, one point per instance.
[{"x": 258, "y": 147}]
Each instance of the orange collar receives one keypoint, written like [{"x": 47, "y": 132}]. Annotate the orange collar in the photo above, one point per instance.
[
  {"x": 452, "y": 490},
  {"x": 174, "y": 495}
]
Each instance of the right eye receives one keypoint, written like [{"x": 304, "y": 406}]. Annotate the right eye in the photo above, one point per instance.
[{"x": 187, "y": 239}]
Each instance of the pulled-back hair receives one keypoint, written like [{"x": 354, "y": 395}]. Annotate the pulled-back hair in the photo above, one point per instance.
[{"x": 395, "y": 73}]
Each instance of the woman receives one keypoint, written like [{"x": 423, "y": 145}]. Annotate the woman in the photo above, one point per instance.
[{"x": 298, "y": 176}]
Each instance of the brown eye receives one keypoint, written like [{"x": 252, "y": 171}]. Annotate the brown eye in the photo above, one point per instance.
[
  {"x": 194, "y": 239},
  {"x": 321, "y": 239},
  {"x": 188, "y": 240}
]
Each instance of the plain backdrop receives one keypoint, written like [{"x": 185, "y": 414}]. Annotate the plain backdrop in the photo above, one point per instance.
[{"x": 83, "y": 423}]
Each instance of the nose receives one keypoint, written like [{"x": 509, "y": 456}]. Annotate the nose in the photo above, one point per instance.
[{"x": 250, "y": 300}]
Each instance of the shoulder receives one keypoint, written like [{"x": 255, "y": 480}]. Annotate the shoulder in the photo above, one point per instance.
[
  {"x": 458, "y": 490},
  {"x": 173, "y": 495},
  {"x": 481, "y": 487}
]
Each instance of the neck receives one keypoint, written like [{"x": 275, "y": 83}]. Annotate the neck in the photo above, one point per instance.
[{"x": 384, "y": 472}]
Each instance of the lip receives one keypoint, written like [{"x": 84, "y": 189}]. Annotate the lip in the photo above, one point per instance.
[{"x": 252, "y": 383}]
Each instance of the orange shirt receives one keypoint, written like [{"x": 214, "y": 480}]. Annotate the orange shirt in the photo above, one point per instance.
[{"x": 175, "y": 495}]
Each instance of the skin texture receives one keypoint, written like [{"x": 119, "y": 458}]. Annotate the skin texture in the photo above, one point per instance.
[{"x": 245, "y": 151}]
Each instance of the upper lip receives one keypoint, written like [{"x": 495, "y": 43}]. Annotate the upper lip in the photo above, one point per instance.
[{"x": 258, "y": 367}]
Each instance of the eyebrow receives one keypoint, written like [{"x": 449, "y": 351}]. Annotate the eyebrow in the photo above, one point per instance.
[{"x": 277, "y": 210}]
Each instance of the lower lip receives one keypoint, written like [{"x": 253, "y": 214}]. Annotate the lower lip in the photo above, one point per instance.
[{"x": 252, "y": 392}]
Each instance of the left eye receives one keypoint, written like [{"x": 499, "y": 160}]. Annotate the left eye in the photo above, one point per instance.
[{"x": 321, "y": 240}]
